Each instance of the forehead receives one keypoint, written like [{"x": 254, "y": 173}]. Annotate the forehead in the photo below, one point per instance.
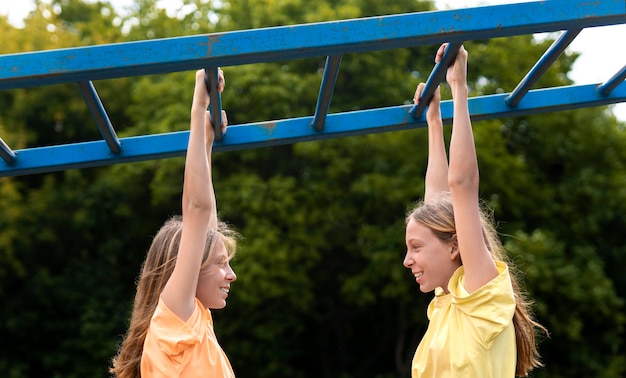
[
  {"x": 219, "y": 250},
  {"x": 416, "y": 230}
]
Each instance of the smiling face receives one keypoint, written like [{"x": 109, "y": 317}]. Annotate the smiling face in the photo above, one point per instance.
[
  {"x": 215, "y": 279},
  {"x": 431, "y": 260}
]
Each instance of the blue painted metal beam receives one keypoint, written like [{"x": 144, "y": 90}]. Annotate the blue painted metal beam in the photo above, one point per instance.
[
  {"x": 542, "y": 66},
  {"x": 100, "y": 115},
  {"x": 300, "y": 41},
  {"x": 6, "y": 153},
  {"x": 211, "y": 79},
  {"x": 326, "y": 91},
  {"x": 332, "y": 39},
  {"x": 435, "y": 78},
  {"x": 92, "y": 154},
  {"x": 606, "y": 88}
]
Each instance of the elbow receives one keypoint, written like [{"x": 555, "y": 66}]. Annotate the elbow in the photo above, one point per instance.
[
  {"x": 197, "y": 205},
  {"x": 462, "y": 181}
]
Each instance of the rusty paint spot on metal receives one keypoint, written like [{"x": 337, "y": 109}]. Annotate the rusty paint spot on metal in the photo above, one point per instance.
[
  {"x": 213, "y": 39},
  {"x": 269, "y": 127}
]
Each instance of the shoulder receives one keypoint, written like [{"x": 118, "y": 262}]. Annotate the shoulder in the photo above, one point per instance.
[
  {"x": 174, "y": 335},
  {"x": 500, "y": 282},
  {"x": 173, "y": 346},
  {"x": 494, "y": 301}
]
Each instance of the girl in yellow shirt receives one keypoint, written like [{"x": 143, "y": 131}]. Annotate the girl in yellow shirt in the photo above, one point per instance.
[
  {"x": 186, "y": 274},
  {"x": 480, "y": 324}
]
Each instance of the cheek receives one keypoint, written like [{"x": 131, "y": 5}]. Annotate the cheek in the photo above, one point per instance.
[{"x": 207, "y": 278}]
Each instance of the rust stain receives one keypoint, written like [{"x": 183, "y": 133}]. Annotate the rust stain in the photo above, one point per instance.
[
  {"x": 213, "y": 39},
  {"x": 270, "y": 127}
]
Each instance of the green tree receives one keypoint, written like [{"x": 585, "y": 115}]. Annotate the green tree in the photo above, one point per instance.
[{"x": 321, "y": 290}]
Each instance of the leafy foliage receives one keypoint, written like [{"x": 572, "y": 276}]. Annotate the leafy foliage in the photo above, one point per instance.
[{"x": 321, "y": 290}]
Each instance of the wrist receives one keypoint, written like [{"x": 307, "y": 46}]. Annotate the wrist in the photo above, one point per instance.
[
  {"x": 199, "y": 107},
  {"x": 459, "y": 90},
  {"x": 200, "y": 100},
  {"x": 434, "y": 119}
]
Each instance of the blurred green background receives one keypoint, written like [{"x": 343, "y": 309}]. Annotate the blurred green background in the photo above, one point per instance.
[{"x": 321, "y": 290}]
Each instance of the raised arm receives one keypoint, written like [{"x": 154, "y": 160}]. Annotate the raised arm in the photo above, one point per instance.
[
  {"x": 437, "y": 168},
  {"x": 463, "y": 179},
  {"x": 199, "y": 209}
]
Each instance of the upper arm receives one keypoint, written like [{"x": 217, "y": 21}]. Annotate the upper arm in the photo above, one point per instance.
[
  {"x": 478, "y": 262},
  {"x": 180, "y": 290}
]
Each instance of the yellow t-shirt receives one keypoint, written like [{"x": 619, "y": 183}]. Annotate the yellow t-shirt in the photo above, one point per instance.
[
  {"x": 469, "y": 335},
  {"x": 178, "y": 349}
]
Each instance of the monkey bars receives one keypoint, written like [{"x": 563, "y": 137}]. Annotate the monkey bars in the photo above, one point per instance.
[{"x": 332, "y": 39}]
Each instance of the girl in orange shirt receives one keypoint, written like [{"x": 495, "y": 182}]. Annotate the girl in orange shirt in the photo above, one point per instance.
[{"x": 185, "y": 274}]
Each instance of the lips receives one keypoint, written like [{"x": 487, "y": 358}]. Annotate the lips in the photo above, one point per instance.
[
  {"x": 418, "y": 276},
  {"x": 225, "y": 289}
]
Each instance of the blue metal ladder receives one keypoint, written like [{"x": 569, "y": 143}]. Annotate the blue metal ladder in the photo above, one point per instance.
[{"x": 331, "y": 39}]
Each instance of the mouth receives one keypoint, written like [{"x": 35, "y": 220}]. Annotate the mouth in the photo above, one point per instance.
[
  {"x": 418, "y": 275},
  {"x": 224, "y": 289}
]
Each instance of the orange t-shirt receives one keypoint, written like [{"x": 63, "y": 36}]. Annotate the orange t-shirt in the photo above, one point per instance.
[{"x": 177, "y": 349}]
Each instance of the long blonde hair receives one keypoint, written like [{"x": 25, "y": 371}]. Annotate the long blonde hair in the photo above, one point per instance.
[
  {"x": 156, "y": 270},
  {"x": 438, "y": 215}
]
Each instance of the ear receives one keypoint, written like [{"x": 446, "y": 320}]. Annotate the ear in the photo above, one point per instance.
[{"x": 454, "y": 249}]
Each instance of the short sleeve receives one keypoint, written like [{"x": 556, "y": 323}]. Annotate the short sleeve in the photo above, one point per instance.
[
  {"x": 491, "y": 307},
  {"x": 171, "y": 333}
]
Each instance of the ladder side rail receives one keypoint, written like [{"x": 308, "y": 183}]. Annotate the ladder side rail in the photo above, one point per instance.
[
  {"x": 302, "y": 41},
  {"x": 271, "y": 133}
]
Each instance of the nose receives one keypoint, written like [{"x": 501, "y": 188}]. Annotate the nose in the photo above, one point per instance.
[
  {"x": 230, "y": 274},
  {"x": 408, "y": 261}
]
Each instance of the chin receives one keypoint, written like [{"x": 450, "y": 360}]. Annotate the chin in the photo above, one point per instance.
[
  {"x": 217, "y": 306},
  {"x": 426, "y": 290}
]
